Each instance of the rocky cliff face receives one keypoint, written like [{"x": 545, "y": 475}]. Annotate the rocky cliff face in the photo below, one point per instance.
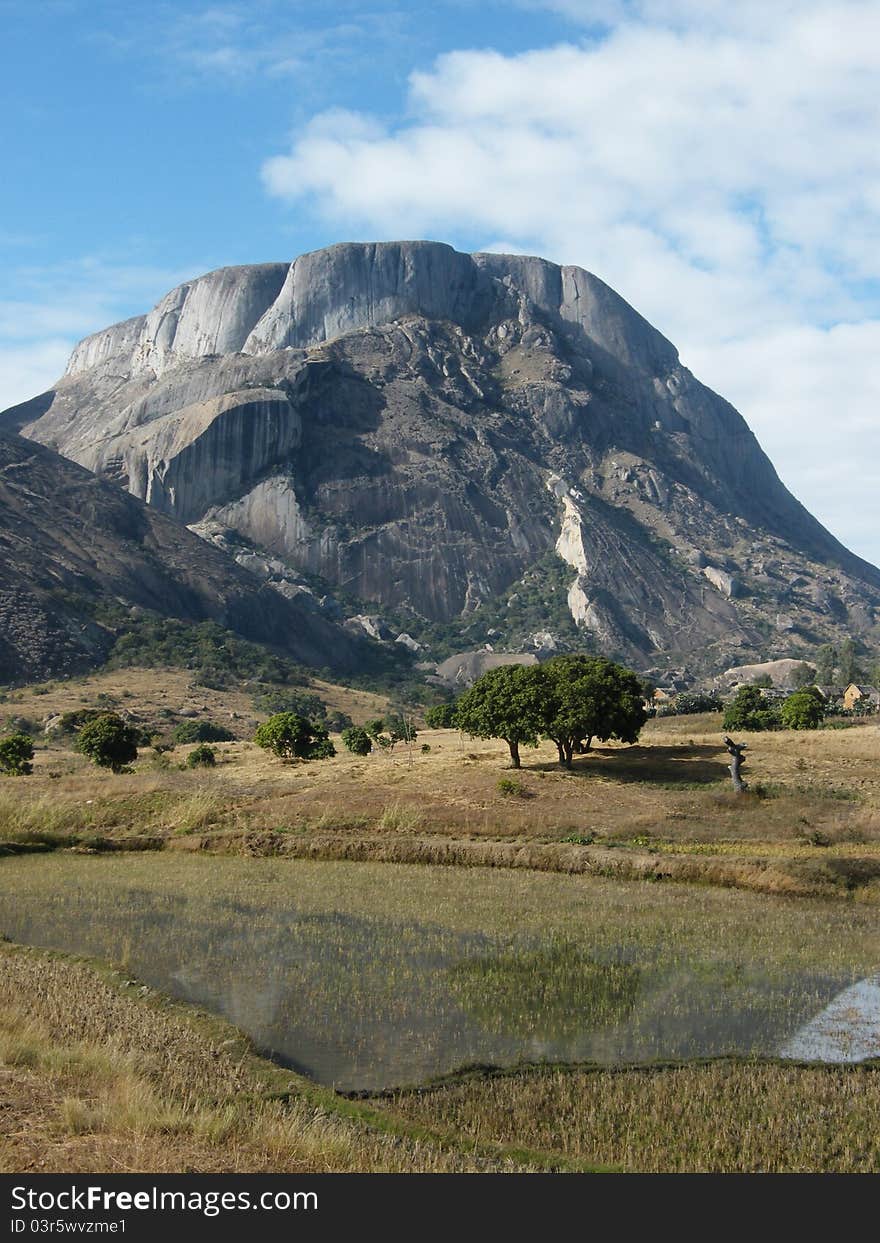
[
  {"x": 418, "y": 426},
  {"x": 70, "y": 541}
]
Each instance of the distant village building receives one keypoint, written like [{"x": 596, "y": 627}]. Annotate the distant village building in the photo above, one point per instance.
[{"x": 861, "y": 695}]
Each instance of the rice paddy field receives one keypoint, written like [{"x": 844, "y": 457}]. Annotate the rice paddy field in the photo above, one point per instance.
[{"x": 448, "y": 965}]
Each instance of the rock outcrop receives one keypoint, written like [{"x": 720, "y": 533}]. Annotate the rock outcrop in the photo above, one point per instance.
[{"x": 416, "y": 427}]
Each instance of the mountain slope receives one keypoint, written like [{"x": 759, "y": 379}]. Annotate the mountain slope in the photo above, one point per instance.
[
  {"x": 69, "y": 540},
  {"x": 418, "y": 427}
]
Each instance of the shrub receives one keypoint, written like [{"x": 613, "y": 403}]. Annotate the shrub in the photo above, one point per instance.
[
  {"x": 108, "y": 742},
  {"x": 804, "y": 709},
  {"x": 16, "y": 753},
  {"x": 202, "y": 756},
  {"x": 337, "y": 721},
  {"x": 201, "y": 731},
  {"x": 749, "y": 710},
  {"x": 293, "y": 737},
  {"x": 357, "y": 740},
  {"x": 515, "y": 789}
]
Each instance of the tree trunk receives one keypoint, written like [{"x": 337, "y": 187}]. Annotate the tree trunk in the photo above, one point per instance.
[
  {"x": 514, "y": 754},
  {"x": 735, "y": 749},
  {"x": 561, "y": 749},
  {"x": 568, "y": 751}
]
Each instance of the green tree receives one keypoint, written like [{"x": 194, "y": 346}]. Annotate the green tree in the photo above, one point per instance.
[
  {"x": 375, "y": 727},
  {"x": 805, "y": 709},
  {"x": 826, "y": 663},
  {"x": 108, "y": 741},
  {"x": 749, "y": 710},
  {"x": 441, "y": 716},
  {"x": 763, "y": 680},
  {"x": 357, "y": 740},
  {"x": 508, "y": 703},
  {"x": 292, "y": 737},
  {"x": 802, "y": 675},
  {"x": 850, "y": 669},
  {"x": 590, "y": 697},
  {"x": 16, "y": 753},
  {"x": 201, "y": 756}
]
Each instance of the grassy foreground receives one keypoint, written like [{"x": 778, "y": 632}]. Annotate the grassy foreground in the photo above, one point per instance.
[
  {"x": 100, "y": 1074},
  {"x": 725, "y": 1116},
  {"x": 97, "y": 1074}
]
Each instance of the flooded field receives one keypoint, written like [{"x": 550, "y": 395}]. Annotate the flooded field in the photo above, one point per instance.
[{"x": 365, "y": 976}]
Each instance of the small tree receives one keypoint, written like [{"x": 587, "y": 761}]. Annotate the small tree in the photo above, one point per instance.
[
  {"x": 802, "y": 675},
  {"x": 590, "y": 697},
  {"x": 763, "y": 680},
  {"x": 441, "y": 716},
  {"x": 749, "y": 710},
  {"x": 805, "y": 709},
  {"x": 508, "y": 703},
  {"x": 292, "y": 737},
  {"x": 357, "y": 740},
  {"x": 826, "y": 663},
  {"x": 850, "y": 669},
  {"x": 375, "y": 727},
  {"x": 108, "y": 741},
  {"x": 16, "y": 753},
  {"x": 399, "y": 729},
  {"x": 201, "y": 756}
]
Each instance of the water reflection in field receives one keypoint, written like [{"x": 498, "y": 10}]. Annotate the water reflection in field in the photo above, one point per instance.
[{"x": 365, "y": 988}]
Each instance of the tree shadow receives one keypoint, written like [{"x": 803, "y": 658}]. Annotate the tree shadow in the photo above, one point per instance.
[{"x": 685, "y": 765}]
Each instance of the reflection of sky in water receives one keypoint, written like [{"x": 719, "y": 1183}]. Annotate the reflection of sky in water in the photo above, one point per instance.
[
  {"x": 367, "y": 1003},
  {"x": 847, "y": 1030}
]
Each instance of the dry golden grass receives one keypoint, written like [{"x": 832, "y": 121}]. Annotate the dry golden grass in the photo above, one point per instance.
[
  {"x": 92, "y": 1079},
  {"x": 161, "y": 697},
  {"x": 662, "y": 808}
]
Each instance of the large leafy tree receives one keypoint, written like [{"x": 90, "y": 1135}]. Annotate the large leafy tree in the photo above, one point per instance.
[
  {"x": 509, "y": 703},
  {"x": 292, "y": 737},
  {"x": 590, "y": 697}
]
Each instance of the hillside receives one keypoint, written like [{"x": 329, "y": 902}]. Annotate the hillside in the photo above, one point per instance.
[{"x": 73, "y": 545}]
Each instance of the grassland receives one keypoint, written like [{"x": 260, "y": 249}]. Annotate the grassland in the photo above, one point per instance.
[
  {"x": 661, "y": 809},
  {"x": 554, "y": 895}
]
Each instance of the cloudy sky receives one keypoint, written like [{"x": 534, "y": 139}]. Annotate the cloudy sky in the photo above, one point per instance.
[{"x": 718, "y": 164}]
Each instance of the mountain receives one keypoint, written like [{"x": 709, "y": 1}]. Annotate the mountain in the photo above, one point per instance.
[
  {"x": 70, "y": 541},
  {"x": 417, "y": 429}
]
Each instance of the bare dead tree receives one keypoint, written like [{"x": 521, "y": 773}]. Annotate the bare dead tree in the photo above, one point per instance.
[{"x": 737, "y": 761}]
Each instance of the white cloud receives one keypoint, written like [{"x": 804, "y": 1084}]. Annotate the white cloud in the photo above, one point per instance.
[{"x": 715, "y": 163}]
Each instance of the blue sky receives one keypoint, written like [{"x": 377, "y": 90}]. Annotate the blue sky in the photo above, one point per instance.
[{"x": 718, "y": 164}]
